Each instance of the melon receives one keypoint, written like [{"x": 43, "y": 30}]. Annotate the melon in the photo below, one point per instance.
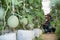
[
  {"x": 13, "y": 21},
  {"x": 24, "y": 21},
  {"x": 1, "y": 13},
  {"x": 30, "y": 26}
]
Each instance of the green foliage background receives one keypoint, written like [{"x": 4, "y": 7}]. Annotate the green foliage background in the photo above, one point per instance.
[
  {"x": 31, "y": 9},
  {"x": 55, "y": 5}
]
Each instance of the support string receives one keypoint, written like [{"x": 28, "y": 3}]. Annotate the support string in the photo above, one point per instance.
[{"x": 13, "y": 7}]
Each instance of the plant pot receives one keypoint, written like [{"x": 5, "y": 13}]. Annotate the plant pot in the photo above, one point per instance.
[
  {"x": 10, "y": 36},
  {"x": 25, "y": 35},
  {"x": 37, "y": 32}
]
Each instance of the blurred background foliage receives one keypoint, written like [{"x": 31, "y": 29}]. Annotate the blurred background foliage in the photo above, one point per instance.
[{"x": 55, "y": 12}]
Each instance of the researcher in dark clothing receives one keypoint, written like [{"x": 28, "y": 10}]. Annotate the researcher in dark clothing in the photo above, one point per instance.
[{"x": 46, "y": 27}]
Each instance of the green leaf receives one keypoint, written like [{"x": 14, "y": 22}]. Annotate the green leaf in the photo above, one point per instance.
[
  {"x": 40, "y": 14},
  {"x": 30, "y": 1},
  {"x": 29, "y": 18}
]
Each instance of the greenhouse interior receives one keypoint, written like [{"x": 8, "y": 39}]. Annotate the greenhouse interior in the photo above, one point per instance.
[{"x": 29, "y": 19}]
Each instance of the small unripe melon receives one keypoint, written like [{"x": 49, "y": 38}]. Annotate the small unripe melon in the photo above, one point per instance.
[
  {"x": 13, "y": 21},
  {"x": 30, "y": 26},
  {"x": 24, "y": 21}
]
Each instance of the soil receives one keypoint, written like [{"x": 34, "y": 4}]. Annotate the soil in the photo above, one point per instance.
[{"x": 49, "y": 36}]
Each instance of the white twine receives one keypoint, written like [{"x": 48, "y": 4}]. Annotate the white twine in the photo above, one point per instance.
[{"x": 13, "y": 7}]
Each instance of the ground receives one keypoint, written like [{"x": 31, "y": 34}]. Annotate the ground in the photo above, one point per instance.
[{"x": 49, "y": 36}]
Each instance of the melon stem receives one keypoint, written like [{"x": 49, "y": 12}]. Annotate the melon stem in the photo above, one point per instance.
[
  {"x": 24, "y": 27},
  {"x": 13, "y": 29}
]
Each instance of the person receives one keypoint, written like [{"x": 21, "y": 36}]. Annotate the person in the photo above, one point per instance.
[
  {"x": 49, "y": 17},
  {"x": 46, "y": 27}
]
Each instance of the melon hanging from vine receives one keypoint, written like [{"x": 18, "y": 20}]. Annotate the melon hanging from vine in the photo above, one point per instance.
[
  {"x": 13, "y": 21},
  {"x": 24, "y": 21}
]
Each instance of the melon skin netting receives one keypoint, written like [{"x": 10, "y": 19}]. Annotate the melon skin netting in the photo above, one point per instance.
[{"x": 13, "y": 21}]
